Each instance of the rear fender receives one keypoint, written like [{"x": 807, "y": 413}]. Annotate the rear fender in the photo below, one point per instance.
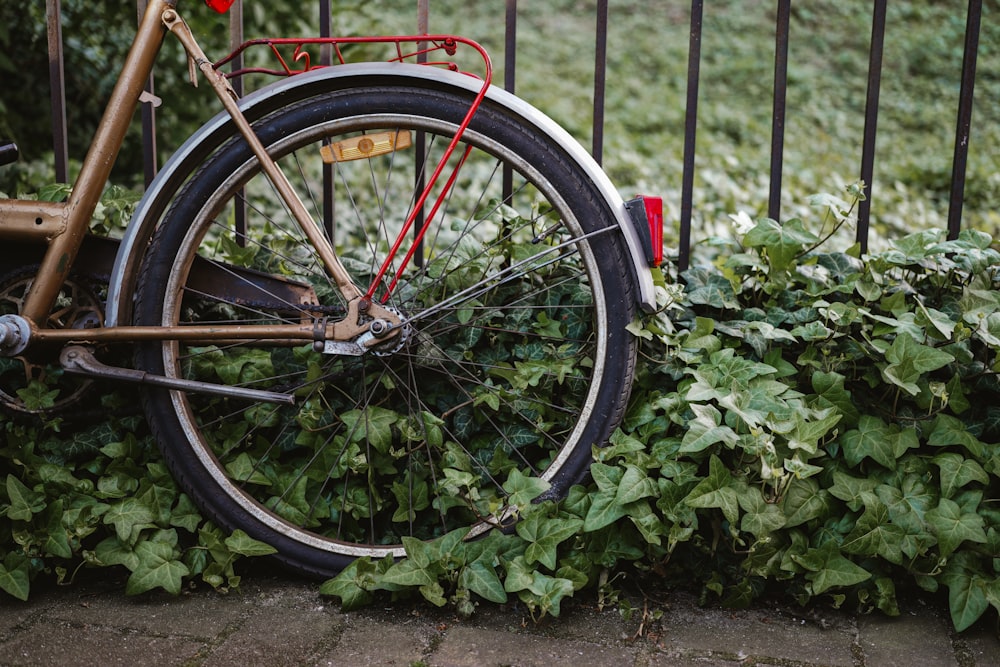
[{"x": 203, "y": 143}]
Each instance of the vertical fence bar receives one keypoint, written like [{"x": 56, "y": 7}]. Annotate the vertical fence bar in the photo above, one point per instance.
[
  {"x": 781, "y": 31},
  {"x": 509, "y": 80},
  {"x": 235, "y": 39},
  {"x": 57, "y": 84},
  {"x": 326, "y": 30},
  {"x": 690, "y": 133},
  {"x": 871, "y": 120},
  {"x": 420, "y": 140},
  {"x": 600, "y": 79},
  {"x": 964, "y": 124},
  {"x": 147, "y": 113},
  {"x": 510, "y": 47},
  {"x": 326, "y": 58}
]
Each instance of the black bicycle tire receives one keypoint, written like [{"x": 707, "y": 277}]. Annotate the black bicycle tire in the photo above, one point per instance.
[{"x": 491, "y": 120}]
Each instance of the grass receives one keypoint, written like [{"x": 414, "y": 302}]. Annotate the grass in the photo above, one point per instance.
[
  {"x": 646, "y": 91},
  {"x": 828, "y": 55}
]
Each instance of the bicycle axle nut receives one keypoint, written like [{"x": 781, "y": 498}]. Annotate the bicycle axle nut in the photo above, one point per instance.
[
  {"x": 15, "y": 331},
  {"x": 379, "y": 328}
]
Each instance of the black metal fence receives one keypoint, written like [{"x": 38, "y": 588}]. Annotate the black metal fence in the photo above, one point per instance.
[{"x": 782, "y": 31}]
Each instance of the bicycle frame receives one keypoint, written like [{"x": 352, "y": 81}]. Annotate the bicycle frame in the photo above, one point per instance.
[{"x": 63, "y": 226}]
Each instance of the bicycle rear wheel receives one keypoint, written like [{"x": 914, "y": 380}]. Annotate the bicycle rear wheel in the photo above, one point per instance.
[{"x": 514, "y": 360}]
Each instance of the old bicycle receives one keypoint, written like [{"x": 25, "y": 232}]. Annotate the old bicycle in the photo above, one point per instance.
[{"x": 365, "y": 301}]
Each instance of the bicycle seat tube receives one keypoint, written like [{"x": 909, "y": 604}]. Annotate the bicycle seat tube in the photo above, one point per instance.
[{"x": 96, "y": 168}]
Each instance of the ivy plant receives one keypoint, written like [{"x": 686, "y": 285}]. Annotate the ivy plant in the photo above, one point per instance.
[
  {"x": 82, "y": 485},
  {"x": 807, "y": 420}
]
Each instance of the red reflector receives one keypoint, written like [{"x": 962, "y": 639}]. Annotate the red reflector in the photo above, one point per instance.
[
  {"x": 221, "y": 6},
  {"x": 654, "y": 216}
]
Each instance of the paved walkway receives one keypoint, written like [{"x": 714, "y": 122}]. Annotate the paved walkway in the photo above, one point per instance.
[{"x": 277, "y": 621}]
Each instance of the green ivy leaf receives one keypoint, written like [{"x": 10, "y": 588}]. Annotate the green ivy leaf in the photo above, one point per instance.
[
  {"x": 948, "y": 430},
  {"x": 544, "y": 535},
  {"x": 967, "y": 591},
  {"x": 117, "y": 484},
  {"x": 434, "y": 593},
  {"x": 878, "y": 441},
  {"x": 159, "y": 499},
  {"x": 716, "y": 490},
  {"x": 522, "y": 489},
  {"x": 538, "y": 591},
  {"x": 603, "y": 511},
  {"x": 211, "y": 538},
  {"x": 908, "y": 505},
  {"x": 483, "y": 580},
  {"x": 407, "y": 574},
  {"x": 783, "y": 242},
  {"x": 577, "y": 501},
  {"x": 185, "y": 515},
  {"x": 520, "y": 575},
  {"x": 830, "y": 391},
  {"x": 804, "y": 501},
  {"x": 909, "y": 360},
  {"x": 373, "y": 426},
  {"x": 827, "y": 568},
  {"x": 38, "y": 396},
  {"x": 851, "y": 489},
  {"x": 710, "y": 289},
  {"x": 810, "y": 429},
  {"x": 935, "y": 320},
  {"x": 761, "y": 518},
  {"x": 15, "y": 573},
  {"x": 874, "y": 534},
  {"x": 957, "y": 471},
  {"x": 623, "y": 445},
  {"x": 56, "y": 537},
  {"x": 416, "y": 570},
  {"x": 411, "y": 497},
  {"x": 158, "y": 568},
  {"x": 952, "y": 527},
  {"x": 24, "y": 503},
  {"x": 241, "y": 543},
  {"x": 607, "y": 477},
  {"x": 635, "y": 485},
  {"x": 129, "y": 517},
  {"x": 705, "y": 430},
  {"x": 649, "y": 523},
  {"x": 354, "y": 585},
  {"x": 548, "y": 593},
  {"x": 245, "y": 470},
  {"x": 111, "y": 551}
]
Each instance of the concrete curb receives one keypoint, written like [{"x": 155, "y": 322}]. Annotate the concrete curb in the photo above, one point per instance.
[{"x": 278, "y": 621}]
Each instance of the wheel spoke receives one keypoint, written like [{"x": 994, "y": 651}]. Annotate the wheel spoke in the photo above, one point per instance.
[{"x": 503, "y": 363}]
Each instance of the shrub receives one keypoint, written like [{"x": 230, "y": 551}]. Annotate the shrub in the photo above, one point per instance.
[{"x": 805, "y": 419}]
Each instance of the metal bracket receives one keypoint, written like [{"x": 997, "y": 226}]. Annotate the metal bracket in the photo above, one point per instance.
[{"x": 80, "y": 360}]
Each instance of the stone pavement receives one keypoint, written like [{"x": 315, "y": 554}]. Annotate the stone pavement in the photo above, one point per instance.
[{"x": 277, "y": 620}]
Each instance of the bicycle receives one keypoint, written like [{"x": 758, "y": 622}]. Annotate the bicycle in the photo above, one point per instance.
[{"x": 366, "y": 301}]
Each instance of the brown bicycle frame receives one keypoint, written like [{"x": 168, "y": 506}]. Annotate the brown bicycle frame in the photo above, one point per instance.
[{"x": 63, "y": 226}]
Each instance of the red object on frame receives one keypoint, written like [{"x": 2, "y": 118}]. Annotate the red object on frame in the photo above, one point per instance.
[{"x": 221, "y": 6}]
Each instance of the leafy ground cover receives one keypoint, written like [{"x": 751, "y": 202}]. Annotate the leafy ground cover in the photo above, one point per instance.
[{"x": 805, "y": 418}]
